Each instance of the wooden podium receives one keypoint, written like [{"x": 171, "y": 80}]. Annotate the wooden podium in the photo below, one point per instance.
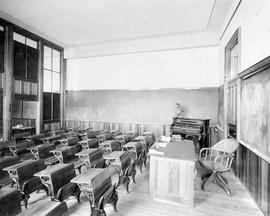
[{"x": 172, "y": 172}]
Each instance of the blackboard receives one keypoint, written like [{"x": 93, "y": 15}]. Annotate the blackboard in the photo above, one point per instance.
[{"x": 255, "y": 111}]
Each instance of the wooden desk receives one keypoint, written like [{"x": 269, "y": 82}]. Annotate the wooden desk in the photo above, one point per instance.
[
  {"x": 89, "y": 143},
  {"x": 15, "y": 148},
  {"x": 110, "y": 146},
  {"x": 135, "y": 147},
  {"x": 25, "y": 170},
  {"x": 51, "y": 139},
  {"x": 56, "y": 177},
  {"x": 66, "y": 153},
  {"x": 10, "y": 202},
  {"x": 23, "y": 175},
  {"x": 103, "y": 137},
  {"x": 146, "y": 141},
  {"x": 92, "y": 157},
  {"x": 115, "y": 133},
  {"x": 22, "y": 129},
  {"x": 93, "y": 183},
  {"x": 69, "y": 141},
  {"x": 124, "y": 138},
  {"x": 7, "y": 161},
  {"x": 138, "y": 153},
  {"x": 42, "y": 151},
  {"x": 36, "y": 138},
  {"x": 119, "y": 159},
  {"x": 47, "y": 208},
  {"x": 87, "y": 135},
  {"x": 172, "y": 172}
]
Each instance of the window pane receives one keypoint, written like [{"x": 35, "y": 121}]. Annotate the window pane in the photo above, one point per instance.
[
  {"x": 1, "y": 28},
  {"x": 234, "y": 61},
  {"x": 47, "y": 58},
  {"x": 56, "y": 61},
  {"x": 18, "y": 37},
  {"x": 55, "y": 82},
  {"x": 31, "y": 43},
  {"x": 47, "y": 81}
]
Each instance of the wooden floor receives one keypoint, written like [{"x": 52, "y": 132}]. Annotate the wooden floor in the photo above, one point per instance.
[{"x": 213, "y": 202}]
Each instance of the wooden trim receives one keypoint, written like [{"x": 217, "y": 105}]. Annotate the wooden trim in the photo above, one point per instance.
[
  {"x": 258, "y": 67},
  {"x": 8, "y": 82},
  {"x": 255, "y": 151},
  {"x": 25, "y": 97},
  {"x": 63, "y": 88},
  {"x": 232, "y": 42},
  {"x": 31, "y": 35},
  {"x": 39, "y": 120}
]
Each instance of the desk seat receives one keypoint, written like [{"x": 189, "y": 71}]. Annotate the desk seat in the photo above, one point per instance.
[{"x": 47, "y": 208}]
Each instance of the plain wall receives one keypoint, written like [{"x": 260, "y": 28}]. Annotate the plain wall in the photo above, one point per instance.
[
  {"x": 181, "y": 68},
  {"x": 252, "y": 17},
  {"x": 142, "y": 106}
]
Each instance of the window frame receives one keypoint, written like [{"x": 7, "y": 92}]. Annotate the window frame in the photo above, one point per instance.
[{"x": 52, "y": 94}]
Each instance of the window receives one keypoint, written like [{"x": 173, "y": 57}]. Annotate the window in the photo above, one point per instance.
[
  {"x": 25, "y": 67},
  {"x": 25, "y": 58},
  {"x": 51, "y": 85}
]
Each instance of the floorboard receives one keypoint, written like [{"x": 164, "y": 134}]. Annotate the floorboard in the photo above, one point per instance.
[{"x": 212, "y": 202}]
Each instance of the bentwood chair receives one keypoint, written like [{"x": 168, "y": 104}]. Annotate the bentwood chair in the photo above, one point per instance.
[{"x": 217, "y": 160}]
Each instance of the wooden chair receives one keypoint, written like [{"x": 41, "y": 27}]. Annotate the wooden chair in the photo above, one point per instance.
[{"x": 216, "y": 160}]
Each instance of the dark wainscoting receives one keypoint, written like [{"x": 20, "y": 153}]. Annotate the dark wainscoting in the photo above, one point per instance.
[
  {"x": 254, "y": 173},
  {"x": 156, "y": 129}
]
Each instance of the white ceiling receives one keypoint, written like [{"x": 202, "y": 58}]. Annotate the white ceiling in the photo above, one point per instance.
[{"x": 77, "y": 22}]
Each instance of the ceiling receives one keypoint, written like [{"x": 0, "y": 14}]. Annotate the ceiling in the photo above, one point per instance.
[{"x": 77, "y": 22}]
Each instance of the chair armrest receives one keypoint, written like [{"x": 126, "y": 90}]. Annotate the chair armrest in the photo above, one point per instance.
[
  {"x": 210, "y": 154},
  {"x": 223, "y": 162}
]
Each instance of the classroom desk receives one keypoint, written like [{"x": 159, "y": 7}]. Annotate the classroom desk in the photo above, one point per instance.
[
  {"x": 135, "y": 147},
  {"x": 56, "y": 177},
  {"x": 7, "y": 161},
  {"x": 104, "y": 136},
  {"x": 69, "y": 141},
  {"x": 42, "y": 151},
  {"x": 120, "y": 160},
  {"x": 172, "y": 172},
  {"x": 16, "y": 129},
  {"x": 23, "y": 171},
  {"x": 89, "y": 143},
  {"x": 10, "y": 202},
  {"x": 124, "y": 138},
  {"x": 110, "y": 146},
  {"x": 92, "y": 157},
  {"x": 51, "y": 139},
  {"x": 93, "y": 183},
  {"x": 65, "y": 154},
  {"x": 146, "y": 141}
]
